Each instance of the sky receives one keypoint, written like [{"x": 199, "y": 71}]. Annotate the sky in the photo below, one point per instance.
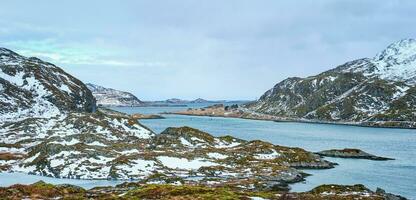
[{"x": 212, "y": 49}]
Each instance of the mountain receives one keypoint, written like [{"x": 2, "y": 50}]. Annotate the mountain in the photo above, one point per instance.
[
  {"x": 30, "y": 87},
  {"x": 112, "y": 97},
  {"x": 377, "y": 91},
  {"x": 181, "y": 101},
  {"x": 175, "y": 101},
  {"x": 199, "y": 100},
  {"x": 50, "y": 126}
]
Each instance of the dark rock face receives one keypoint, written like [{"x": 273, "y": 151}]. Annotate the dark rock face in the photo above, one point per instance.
[
  {"x": 33, "y": 87},
  {"x": 379, "y": 91}
]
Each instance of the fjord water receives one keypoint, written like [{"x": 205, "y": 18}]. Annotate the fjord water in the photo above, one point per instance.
[{"x": 396, "y": 176}]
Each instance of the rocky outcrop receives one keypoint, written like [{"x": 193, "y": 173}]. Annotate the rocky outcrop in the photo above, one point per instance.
[
  {"x": 109, "y": 147},
  {"x": 112, "y": 97},
  {"x": 146, "y": 116},
  {"x": 377, "y": 91},
  {"x": 351, "y": 153}
]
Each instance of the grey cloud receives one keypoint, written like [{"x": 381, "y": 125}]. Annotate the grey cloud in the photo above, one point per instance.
[{"x": 215, "y": 49}]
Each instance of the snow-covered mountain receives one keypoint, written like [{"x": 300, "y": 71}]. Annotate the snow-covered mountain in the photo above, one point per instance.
[
  {"x": 182, "y": 101},
  {"x": 377, "y": 91},
  {"x": 49, "y": 126},
  {"x": 30, "y": 87},
  {"x": 112, "y": 97}
]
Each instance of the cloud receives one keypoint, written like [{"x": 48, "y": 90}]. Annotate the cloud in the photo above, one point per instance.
[
  {"x": 73, "y": 54},
  {"x": 216, "y": 49}
]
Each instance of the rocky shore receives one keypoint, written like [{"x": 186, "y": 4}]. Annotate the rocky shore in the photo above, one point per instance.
[
  {"x": 351, "y": 153},
  {"x": 144, "y": 116},
  {"x": 127, "y": 191}
]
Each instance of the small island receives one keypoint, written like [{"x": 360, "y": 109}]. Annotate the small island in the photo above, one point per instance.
[
  {"x": 351, "y": 153},
  {"x": 146, "y": 116}
]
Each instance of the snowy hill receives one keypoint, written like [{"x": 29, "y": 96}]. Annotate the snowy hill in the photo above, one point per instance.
[
  {"x": 49, "y": 126},
  {"x": 112, "y": 97},
  {"x": 377, "y": 91},
  {"x": 30, "y": 87}
]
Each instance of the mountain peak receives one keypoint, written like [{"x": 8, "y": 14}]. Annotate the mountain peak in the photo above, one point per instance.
[
  {"x": 399, "y": 52},
  {"x": 397, "y": 61},
  {"x": 5, "y": 51}
]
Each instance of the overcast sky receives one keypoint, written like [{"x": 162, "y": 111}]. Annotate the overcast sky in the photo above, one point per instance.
[{"x": 214, "y": 49}]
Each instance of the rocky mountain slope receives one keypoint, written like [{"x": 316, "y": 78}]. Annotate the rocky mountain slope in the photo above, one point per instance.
[
  {"x": 49, "y": 124},
  {"x": 50, "y": 127},
  {"x": 377, "y": 91},
  {"x": 30, "y": 87},
  {"x": 112, "y": 97}
]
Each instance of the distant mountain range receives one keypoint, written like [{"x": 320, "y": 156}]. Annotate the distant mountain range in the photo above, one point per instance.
[
  {"x": 369, "y": 91},
  {"x": 112, "y": 97},
  {"x": 183, "y": 102}
]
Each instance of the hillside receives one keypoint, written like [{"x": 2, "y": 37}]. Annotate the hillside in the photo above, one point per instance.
[
  {"x": 50, "y": 127},
  {"x": 30, "y": 87},
  {"x": 377, "y": 91}
]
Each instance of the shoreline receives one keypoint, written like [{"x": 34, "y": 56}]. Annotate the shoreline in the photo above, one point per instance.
[
  {"x": 84, "y": 183},
  {"x": 301, "y": 121}
]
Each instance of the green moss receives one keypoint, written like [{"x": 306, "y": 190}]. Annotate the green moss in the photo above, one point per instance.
[
  {"x": 339, "y": 189},
  {"x": 182, "y": 192}
]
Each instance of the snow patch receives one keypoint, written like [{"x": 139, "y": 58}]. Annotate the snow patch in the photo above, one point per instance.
[{"x": 183, "y": 163}]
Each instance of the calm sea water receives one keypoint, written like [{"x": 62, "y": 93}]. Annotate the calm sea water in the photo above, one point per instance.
[{"x": 397, "y": 176}]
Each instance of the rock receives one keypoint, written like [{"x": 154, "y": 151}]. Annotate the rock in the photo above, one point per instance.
[
  {"x": 389, "y": 196},
  {"x": 143, "y": 116},
  {"x": 351, "y": 153}
]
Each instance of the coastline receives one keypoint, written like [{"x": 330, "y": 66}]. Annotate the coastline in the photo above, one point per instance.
[{"x": 362, "y": 124}]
